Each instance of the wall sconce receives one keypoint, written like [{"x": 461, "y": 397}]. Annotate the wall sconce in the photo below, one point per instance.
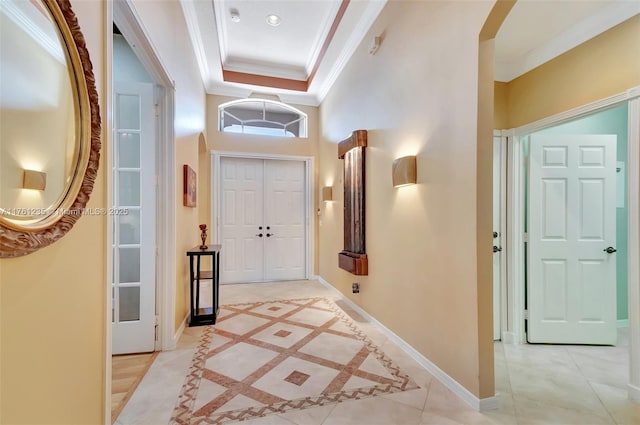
[
  {"x": 404, "y": 171},
  {"x": 34, "y": 180},
  {"x": 327, "y": 193}
]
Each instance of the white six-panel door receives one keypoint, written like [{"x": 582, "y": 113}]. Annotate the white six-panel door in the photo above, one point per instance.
[
  {"x": 285, "y": 220},
  {"x": 571, "y": 284},
  {"x": 262, "y": 217},
  {"x": 134, "y": 245},
  {"x": 242, "y": 220}
]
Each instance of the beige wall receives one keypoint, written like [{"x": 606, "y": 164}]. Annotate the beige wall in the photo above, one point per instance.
[
  {"x": 603, "y": 66},
  {"x": 416, "y": 97},
  {"x": 52, "y": 306},
  {"x": 230, "y": 142},
  {"x": 34, "y": 88},
  {"x": 52, "y": 303},
  {"x": 500, "y": 115},
  {"x": 165, "y": 24}
]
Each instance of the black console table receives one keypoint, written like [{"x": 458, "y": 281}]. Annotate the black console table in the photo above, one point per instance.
[{"x": 205, "y": 315}]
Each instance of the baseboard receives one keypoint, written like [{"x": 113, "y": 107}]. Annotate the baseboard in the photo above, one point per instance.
[
  {"x": 623, "y": 323},
  {"x": 178, "y": 334},
  {"x": 453, "y": 385},
  {"x": 634, "y": 393},
  {"x": 509, "y": 338}
]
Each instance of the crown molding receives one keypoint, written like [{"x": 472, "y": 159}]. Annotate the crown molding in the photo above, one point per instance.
[
  {"x": 577, "y": 34},
  {"x": 364, "y": 24},
  {"x": 193, "y": 26},
  {"x": 32, "y": 22},
  {"x": 322, "y": 36}
]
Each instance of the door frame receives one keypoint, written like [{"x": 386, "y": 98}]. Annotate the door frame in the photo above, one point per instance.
[
  {"x": 516, "y": 210},
  {"x": 502, "y": 310},
  {"x": 123, "y": 13},
  {"x": 310, "y": 217}
]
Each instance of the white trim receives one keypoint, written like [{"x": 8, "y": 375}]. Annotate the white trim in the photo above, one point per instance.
[
  {"x": 605, "y": 19},
  {"x": 476, "y": 403},
  {"x": 634, "y": 393},
  {"x": 309, "y": 163},
  {"x": 302, "y": 117},
  {"x": 504, "y": 241},
  {"x": 33, "y": 23},
  {"x": 318, "y": 43},
  {"x": 516, "y": 213},
  {"x": 129, "y": 23},
  {"x": 107, "y": 153},
  {"x": 633, "y": 247},
  {"x": 191, "y": 17},
  {"x": 509, "y": 338},
  {"x": 166, "y": 237},
  {"x": 219, "y": 13},
  {"x": 578, "y": 112},
  {"x": 515, "y": 238},
  {"x": 622, "y": 323},
  {"x": 181, "y": 328},
  {"x": 362, "y": 27}
]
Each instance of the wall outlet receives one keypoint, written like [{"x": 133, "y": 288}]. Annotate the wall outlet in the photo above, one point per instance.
[{"x": 355, "y": 288}]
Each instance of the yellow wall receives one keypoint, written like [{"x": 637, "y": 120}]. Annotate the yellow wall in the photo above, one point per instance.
[
  {"x": 415, "y": 97},
  {"x": 230, "y": 142},
  {"x": 603, "y": 66},
  {"x": 35, "y": 87},
  {"x": 500, "y": 116},
  {"x": 52, "y": 306},
  {"x": 52, "y": 302},
  {"x": 174, "y": 49}
]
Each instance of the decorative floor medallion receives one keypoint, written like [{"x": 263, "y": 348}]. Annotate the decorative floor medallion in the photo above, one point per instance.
[{"x": 270, "y": 357}]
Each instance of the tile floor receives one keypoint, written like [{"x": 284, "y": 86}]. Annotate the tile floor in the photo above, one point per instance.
[
  {"x": 280, "y": 356},
  {"x": 537, "y": 384}
]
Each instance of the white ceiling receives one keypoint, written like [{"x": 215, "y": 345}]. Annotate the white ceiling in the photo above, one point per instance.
[
  {"x": 288, "y": 50},
  {"x": 534, "y": 32}
]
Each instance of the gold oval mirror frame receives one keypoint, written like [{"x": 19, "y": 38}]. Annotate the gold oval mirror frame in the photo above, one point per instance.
[{"x": 22, "y": 238}]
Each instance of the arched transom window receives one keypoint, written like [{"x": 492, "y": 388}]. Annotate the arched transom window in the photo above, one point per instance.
[{"x": 263, "y": 117}]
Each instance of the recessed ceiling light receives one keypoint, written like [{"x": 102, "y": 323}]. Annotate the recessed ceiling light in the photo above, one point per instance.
[
  {"x": 273, "y": 20},
  {"x": 235, "y": 15}
]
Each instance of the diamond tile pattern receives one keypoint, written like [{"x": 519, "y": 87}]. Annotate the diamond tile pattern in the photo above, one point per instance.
[
  {"x": 297, "y": 377},
  {"x": 282, "y": 333},
  {"x": 271, "y": 357}
]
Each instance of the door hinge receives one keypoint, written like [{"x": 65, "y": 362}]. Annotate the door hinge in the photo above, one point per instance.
[
  {"x": 526, "y": 315},
  {"x": 156, "y": 321},
  {"x": 525, "y": 237},
  {"x": 156, "y": 109}
]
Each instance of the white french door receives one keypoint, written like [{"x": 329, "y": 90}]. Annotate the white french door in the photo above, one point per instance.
[
  {"x": 263, "y": 220},
  {"x": 134, "y": 280},
  {"x": 571, "y": 284}
]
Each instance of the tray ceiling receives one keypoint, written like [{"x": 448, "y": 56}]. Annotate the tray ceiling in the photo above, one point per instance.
[{"x": 239, "y": 53}]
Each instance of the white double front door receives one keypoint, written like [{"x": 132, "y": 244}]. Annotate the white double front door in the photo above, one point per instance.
[
  {"x": 572, "y": 234},
  {"x": 262, "y": 220}
]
